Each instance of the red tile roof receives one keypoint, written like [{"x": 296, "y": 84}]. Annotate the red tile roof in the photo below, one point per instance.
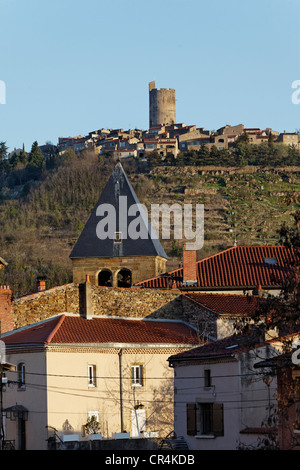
[
  {"x": 229, "y": 347},
  {"x": 239, "y": 267},
  {"x": 227, "y": 304},
  {"x": 225, "y": 347},
  {"x": 77, "y": 330}
]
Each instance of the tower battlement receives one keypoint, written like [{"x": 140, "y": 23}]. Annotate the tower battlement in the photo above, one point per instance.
[{"x": 162, "y": 106}]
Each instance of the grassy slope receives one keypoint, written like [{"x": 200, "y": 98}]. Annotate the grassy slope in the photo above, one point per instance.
[{"x": 38, "y": 231}]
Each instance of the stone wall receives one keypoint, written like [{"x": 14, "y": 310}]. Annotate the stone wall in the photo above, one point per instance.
[
  {"x": 108, "y": 301},
  {"x": 45, "y": 304},
  {"x": 141, "y": 267},
  {"x": 144, "y": 303},
  {"x": 115, "y": 301}
]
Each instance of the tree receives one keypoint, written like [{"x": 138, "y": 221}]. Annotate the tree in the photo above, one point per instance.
[
  {"x": 92, "y": 426},
  {"x": 36, "y": 157},
  {"x": 243, "y": 138},
  {"x": 281, "y": 316},
  {"x": 3, "y": 151},
  {"x": 36, "y": 161},
  {"x": 270, "y": 140}
]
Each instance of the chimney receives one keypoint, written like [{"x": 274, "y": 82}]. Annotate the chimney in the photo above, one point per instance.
[
  {"x": 41, "y": 284},
  {"x": 189, "y": 266},
  {"x": 258, "y": 291},
  {"x": 87, "y": 300},
  {"x": 6, "y": 310}
]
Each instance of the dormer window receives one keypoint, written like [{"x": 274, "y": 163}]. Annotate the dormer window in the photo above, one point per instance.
[{"x": 270, "y": 260}]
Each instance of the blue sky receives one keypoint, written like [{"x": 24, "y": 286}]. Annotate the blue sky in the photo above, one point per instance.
[{"x": 71, "y": 67}]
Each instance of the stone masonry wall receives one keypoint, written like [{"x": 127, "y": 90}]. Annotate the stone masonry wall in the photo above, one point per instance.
[
  {"x": 115, "y": 301},
  {"x": 106, "y": 301}
]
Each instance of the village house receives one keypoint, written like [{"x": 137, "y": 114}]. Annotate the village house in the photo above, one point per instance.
[
  {"x": 217, "y": 316},
  {"x": 70, "y": 368},
  {"x": 289, "y": 138},
  {"x": 222, "y": 401}
]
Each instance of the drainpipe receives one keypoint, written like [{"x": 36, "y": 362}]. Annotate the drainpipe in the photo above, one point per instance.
[
  {"x": 1, "y": 409},
  {"x": 120, "y": 353}
]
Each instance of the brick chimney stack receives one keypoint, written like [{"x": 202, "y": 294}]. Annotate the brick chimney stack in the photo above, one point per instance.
[
  {"x": 6, "y": 310},
  {"x": 41, "y": 284},
  {"x": 189, "y": 266}
]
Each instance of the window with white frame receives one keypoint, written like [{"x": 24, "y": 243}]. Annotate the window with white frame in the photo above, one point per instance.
[
  {"x": 21, "y": 375},
  {"x": 92, "y": 382},
  {"x": 137, "y": 375}
]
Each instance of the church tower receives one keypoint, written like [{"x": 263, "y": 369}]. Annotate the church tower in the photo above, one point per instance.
[{"x": 105, "y": 251}]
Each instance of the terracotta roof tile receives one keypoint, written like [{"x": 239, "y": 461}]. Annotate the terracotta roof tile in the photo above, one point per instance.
[
  {"x": 225, "y": 347},
  {"x": 239, "y": 266},
  {"x": 227, "y": 304},
  {"x": 77, "y": 330}
]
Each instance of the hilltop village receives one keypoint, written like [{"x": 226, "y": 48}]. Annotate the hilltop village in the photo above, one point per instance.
[
  {"x": 130, "y": 355},
  {"x": 165, "y": 135}
]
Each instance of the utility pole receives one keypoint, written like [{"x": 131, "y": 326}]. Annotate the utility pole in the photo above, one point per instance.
[
  {"x": 1, "y": 407},
  {"x": 121, "y": 389}
]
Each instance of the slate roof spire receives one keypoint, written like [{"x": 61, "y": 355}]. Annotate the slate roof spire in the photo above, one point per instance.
[{"x": 89, "y": 245}]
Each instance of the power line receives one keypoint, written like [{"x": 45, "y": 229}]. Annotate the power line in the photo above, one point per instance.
[
  {"x": 75, "y": 392},
  {"x": 243, "y": 375}
]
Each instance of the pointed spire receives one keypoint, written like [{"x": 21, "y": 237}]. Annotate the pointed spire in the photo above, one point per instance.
[{"x": 117, "y": 197}]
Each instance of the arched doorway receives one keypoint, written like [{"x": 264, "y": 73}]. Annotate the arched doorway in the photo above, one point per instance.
[
  {"x": 124, "y": 278},
  {"x": 105, "y": 278}
]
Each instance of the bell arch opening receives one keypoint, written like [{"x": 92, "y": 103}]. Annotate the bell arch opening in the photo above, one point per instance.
[
  {"x": 105, "y": 278},
  {"x": 124, "y": 278}
]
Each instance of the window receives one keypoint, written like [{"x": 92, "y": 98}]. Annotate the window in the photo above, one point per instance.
[
  {"x": 91, "y": 375},
  {"x": 94, "y": 414},
  {"x": 118, "y": 237},
  {"x": 21, "y": 376},
  {"x": 207, "y": 378},
  {"x": 205, "y": 419},
  {"x": 137, "y": 376}
]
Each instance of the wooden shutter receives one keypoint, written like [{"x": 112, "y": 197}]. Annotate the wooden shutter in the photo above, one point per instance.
[
  {"x": 218, "y": 422},
  {"x": 191, "y": 419}
]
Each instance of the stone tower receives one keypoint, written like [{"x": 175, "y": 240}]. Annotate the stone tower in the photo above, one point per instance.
[
  {"x": 162, "y": 106},
  {"x": 118, "y": 259}
]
